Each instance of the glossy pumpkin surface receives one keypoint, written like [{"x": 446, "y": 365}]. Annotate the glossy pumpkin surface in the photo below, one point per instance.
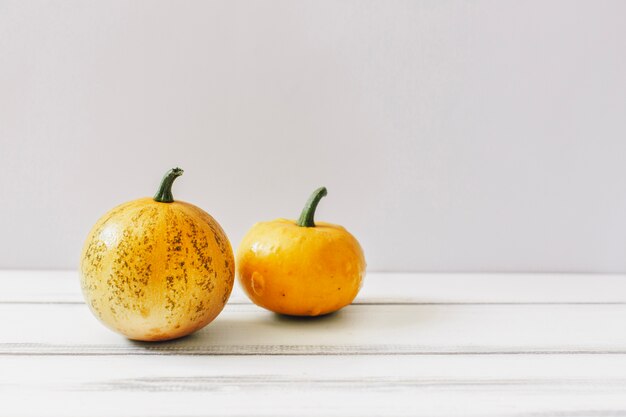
[{"x": 300, "y": 271}]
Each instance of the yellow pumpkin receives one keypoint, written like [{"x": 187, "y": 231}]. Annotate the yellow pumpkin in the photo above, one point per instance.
[
  {"x": 300, "y": 268},
  {"x": 157, "y": 269}
]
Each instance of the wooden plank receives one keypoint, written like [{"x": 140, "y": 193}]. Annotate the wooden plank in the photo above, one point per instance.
[
  {"x": 497, "y": 385},
  {"x": 39, "y": 286},
  {"x": 448, "y": 345},
  {"x": 62, "y": 286},
  {"x": 70, "y": 329}
]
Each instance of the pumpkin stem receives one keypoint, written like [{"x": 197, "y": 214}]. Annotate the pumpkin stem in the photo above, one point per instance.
[
  {"x": 308, "y": 212},
  {"x": 164, "y": 195}
]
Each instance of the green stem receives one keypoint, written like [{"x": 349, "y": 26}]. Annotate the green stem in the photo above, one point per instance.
[
  {"x": 308, "y": 212},
  {"x": 164, "y": 195}
]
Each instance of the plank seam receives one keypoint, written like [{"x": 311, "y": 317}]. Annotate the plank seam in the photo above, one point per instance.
[
  {"x": 385, "y": 303},
  {"x": 34, "y": 349}
]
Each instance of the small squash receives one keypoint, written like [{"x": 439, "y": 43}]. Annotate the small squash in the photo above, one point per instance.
[
  {"x": 301, "y": 268},
  {"x": 157, "y": 269}
]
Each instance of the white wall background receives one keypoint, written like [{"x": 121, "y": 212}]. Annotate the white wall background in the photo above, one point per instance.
[{"x": 452, "y": 135}]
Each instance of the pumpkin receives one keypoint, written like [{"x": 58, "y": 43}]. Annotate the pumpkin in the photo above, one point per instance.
[
  {"x": 301, "y": 268},
  {"x": 157, "y": 269}
]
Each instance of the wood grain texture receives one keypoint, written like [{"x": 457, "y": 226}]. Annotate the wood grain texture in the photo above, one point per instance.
[
  {"x": 359, "y": 329},
  {"x": 378, "y": 287},
  {"x": 369, "y": 386},
  {"x": 413, "y": 345}
]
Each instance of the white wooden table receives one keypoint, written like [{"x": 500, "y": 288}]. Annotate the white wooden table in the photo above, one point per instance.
[{"x": 412, "y": 344}]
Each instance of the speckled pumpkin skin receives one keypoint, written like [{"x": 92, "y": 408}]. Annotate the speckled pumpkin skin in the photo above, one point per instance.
[
  {"x": 156, "y": 271},
  {"x": 300, "y": 271}
]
